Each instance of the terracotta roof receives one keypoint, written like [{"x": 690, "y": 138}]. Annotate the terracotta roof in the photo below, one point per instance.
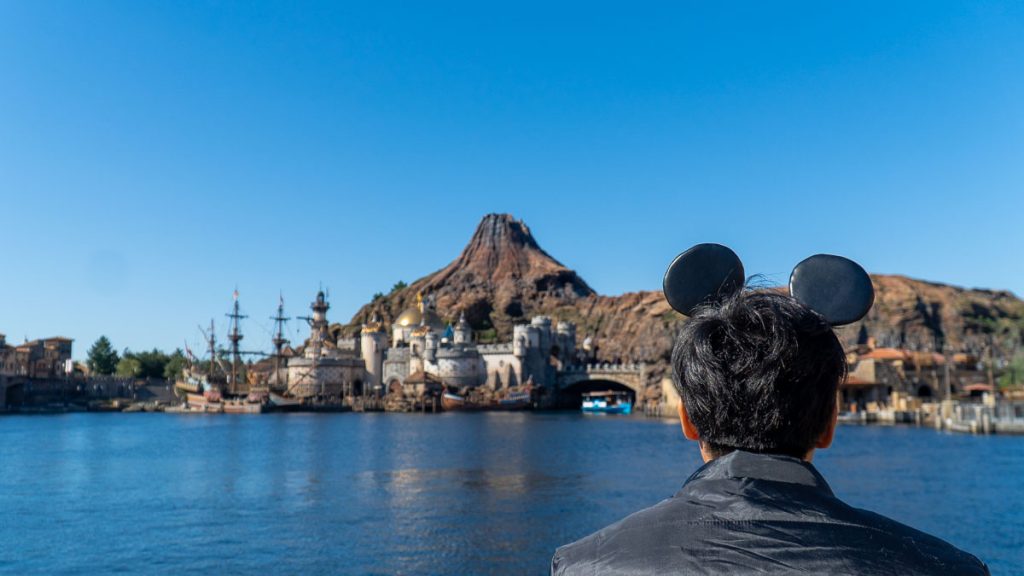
[
  {"x": 977, "y": 388},
  {"x": 887, "y": 354},
  {"x": 964, "y": 358},
  {"x": 853, "y": 380},
  {"x": 927, "y": 358}
]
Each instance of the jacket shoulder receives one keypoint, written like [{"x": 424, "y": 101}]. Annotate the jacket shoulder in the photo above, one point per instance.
[
  {"x": 593, "y": 554},
  {"x": 922, "y": 548}
]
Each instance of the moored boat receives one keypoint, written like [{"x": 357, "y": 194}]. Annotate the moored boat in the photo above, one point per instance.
[
  {"x": 278, "y": 403},
  {"x": 607, "y": 402}
]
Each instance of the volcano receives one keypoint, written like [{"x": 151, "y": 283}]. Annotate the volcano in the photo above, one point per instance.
[{"x": 503, "y": 277}]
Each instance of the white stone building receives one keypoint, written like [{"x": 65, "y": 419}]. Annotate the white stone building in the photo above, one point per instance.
[{"x": 423, "y": 347}]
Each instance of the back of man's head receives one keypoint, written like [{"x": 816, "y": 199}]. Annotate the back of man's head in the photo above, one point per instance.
[{"x": 758, "y": 372}]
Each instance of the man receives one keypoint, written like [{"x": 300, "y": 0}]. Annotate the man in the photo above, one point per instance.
[{"x": 757, "y": 374}]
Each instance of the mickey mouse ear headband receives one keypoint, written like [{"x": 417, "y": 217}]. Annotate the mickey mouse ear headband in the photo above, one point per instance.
[{"x": 833, "y": 286}]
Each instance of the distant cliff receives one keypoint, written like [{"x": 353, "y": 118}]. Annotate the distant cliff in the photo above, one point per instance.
[{"x": 503, "y": 277}]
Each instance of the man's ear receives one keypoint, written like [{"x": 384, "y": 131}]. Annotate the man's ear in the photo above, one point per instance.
[
  {"x": 830, "y": 433},
  {"x": 689, "y": 430}
]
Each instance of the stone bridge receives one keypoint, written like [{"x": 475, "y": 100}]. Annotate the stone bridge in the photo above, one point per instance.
[
  {"x": 18, "y": 391},
  {"x": 632, "y": 376}
]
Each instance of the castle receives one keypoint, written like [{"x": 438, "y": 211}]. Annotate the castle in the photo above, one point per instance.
[{"x": 421, "y": 354}]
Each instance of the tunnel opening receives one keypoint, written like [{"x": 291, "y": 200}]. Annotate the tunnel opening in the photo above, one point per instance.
[{"x": 571, "y": 397}]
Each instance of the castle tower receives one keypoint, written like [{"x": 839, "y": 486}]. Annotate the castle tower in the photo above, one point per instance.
[
  {"x": 463, "y": 333},
  {"x": 520, "y": 340},
  {"x": 372, "y": 342},
  {"x": 541, "y": 333},
  {"x": 566, "y": 338},
  {"x": 430, "y": 345},
  {"x": 318, "y": 324}
]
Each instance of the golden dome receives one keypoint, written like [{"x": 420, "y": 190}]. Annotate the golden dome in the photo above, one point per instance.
[{"x": 413, "y": 317}]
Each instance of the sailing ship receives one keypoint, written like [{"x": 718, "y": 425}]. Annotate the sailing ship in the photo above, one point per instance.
[
  {"x": 216, "y": 388},
  {"x": 201, "y": 387}
]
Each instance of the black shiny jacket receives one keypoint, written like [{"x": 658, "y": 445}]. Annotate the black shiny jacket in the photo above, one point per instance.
[{"x": 749, "y": 513}]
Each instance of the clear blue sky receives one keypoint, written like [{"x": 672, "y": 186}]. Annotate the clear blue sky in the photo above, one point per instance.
[{"x": 154, "y": 155}]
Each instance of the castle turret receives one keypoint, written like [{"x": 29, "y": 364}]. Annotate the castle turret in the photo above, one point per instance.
[
  {"x": 566, "y": 339},
  {"x": 373, "y": 341},
  {"x": 520, "y": 340},
  {"x": 430, "y": 340},
  {"x": 318, "y": 324},
  {"x": 542, "y": 337},
  {"x": 463, "y": 332}
]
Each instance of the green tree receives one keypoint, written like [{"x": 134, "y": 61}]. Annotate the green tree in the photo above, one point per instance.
[
  {"x": 153, "y": 363},
  {"x": 1013, "y": 374},
  {"x": 175, "y": 365},
  {"x": 102, "y": 358},
  {"x": 150, "y": 364},
  {"x": 400, "y": 285},
  {"x": 129, "y": 367}
]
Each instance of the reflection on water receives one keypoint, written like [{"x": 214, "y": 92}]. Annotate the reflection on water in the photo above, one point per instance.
[{"x": 453, "y": 493}]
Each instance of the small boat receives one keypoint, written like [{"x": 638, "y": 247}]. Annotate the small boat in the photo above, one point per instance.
[
  {"x": 607, "y": 402},
  {"x": 278, "y": 403}
]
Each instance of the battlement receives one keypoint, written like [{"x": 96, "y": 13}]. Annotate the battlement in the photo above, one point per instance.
[
  {"x": 502, "y": 348},
  {"x": 397, "y": 354},
  {"x": 605, "y": 367},
  {"x": 348, "y": 344},
  {"x": 455, "y": 352}
]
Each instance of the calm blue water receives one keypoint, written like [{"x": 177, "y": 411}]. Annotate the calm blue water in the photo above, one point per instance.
[{"x": 423, "y": 494}]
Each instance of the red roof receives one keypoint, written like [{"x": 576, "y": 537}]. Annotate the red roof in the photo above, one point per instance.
[
  {"x": 886, "y": 354},
  {"x": 852, "y": 380}
]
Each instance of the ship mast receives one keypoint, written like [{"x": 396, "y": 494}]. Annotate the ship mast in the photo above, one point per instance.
[
  {"x": 211, "y": 343},
  {"x": 235, "y": 336},
  {"x": 279, "y": 340}
]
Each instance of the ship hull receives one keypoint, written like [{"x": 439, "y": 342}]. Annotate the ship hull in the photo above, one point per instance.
[
  {"x": 278, "y": 403},
  {"x": 200, "y": 403},
  {"x": 620, "y": 409},
  {"x": 243, "y": 408}
]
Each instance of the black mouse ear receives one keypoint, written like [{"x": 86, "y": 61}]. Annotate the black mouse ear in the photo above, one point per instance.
[
  {"x": 833, "y": 286},
  {"x": 702, "y": 274}
]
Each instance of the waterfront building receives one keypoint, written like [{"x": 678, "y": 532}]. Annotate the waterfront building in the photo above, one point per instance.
[
  {"x": 422, "y": 346},
  {"x": 420, "y": 354},
  {"x": 328, "y": 368},
  {"x": 44, "y": 358}
]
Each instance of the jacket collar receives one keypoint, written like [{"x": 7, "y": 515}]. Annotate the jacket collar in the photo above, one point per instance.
[{"x": 767, "y": 467}]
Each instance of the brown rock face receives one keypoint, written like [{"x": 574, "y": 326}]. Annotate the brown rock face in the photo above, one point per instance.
[
  {"x": 928, "y": 316},
  {"x": 503, "y": 277}
]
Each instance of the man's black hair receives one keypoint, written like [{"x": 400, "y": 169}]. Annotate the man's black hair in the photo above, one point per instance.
[{"x": 758, "y": 372}]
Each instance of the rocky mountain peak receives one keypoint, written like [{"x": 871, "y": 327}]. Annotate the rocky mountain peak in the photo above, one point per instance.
[
  {"x": 503, "y": 250},
  {"x": 501, "y": 277}
]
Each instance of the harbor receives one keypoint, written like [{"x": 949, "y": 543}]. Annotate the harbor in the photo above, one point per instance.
[{"x": 468, "y": 493}]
